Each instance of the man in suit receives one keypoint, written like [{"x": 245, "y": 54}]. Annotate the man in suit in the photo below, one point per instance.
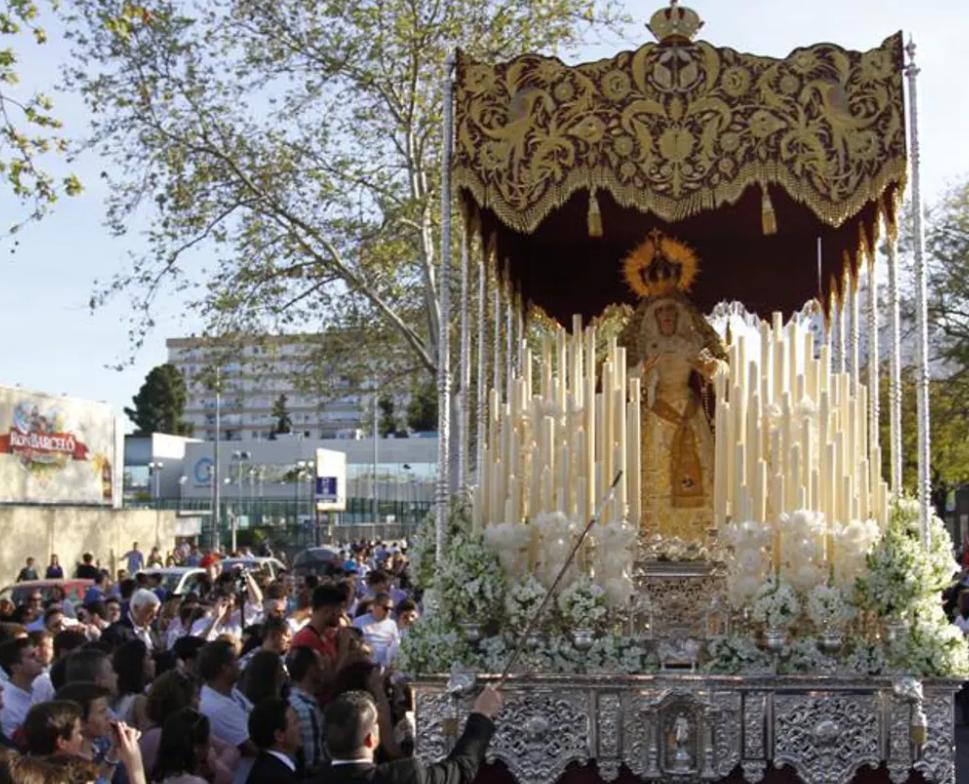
[
  {"x": 274, "y": 728},
  {"x": 137, "y": 624},
  {"x": 352, "y": 737}
]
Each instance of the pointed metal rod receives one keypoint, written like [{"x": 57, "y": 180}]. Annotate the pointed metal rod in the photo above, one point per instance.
[{"x": 603, "y": 503}]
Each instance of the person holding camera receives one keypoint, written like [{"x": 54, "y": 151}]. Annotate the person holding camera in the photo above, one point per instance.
[{"x": 353, "y": 735}]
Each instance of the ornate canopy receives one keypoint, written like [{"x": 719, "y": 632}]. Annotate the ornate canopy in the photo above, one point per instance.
[{"x": 755, "y": 162}]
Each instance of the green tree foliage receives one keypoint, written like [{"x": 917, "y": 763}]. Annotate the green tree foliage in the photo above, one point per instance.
[
  {"x": 387, "y": 424},
  {"x": 160, "y": 403},
  {"x": 280, "y": 412},
  {"x": 947, "y": 247},
  {"x": 949, "y": 434},
  {"x": 422, "y": 408},
  {"x": 28, "y": 128},
  {"x": 298, "y": 142},
  {"x": 947, "y": 262}
]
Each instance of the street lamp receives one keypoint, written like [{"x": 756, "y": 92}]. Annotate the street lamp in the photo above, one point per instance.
[
  {"x": 300, "y": 475},
  {"x": 154, "y": 475}
]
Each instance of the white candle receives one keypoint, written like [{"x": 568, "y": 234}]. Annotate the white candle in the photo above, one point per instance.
[
  {"x": 777, "y": 494},
  {"x": 590, "y": 406},
  {"x": 634, "y": 463},
  {"x": 760, "y": 498},
  {"x": 795, "y": 488},
  {"x": 739, "y": 479}
]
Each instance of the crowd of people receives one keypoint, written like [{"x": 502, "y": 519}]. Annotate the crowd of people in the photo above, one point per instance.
[{"x": 250, "y": 677}]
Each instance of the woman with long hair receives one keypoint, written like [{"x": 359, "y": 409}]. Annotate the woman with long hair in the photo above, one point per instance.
[
  {"x": 136, "y": 669},
  {"x": 171, "y": 693},
  {"x": 183, "y": 750}
]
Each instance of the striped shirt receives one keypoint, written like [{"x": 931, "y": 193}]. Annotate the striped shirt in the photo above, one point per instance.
[{"x": 310, "y": 727}]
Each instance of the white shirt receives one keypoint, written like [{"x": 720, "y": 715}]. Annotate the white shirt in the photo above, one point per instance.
[
  {"x": 42, "y": 690},
  {"x": 382, "y": 636},
  {"x": 16, "y": 703},
  {"x": 283, "y": 758},
  {"x": 229, "y": 720}
]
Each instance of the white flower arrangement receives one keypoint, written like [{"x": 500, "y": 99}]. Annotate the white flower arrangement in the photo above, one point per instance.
[
  {"x": 510, "y": 541},
  {"x": 902, "y": 572},
  {"x": 867, "y": 659},
  {"x": 431, "y": 646},
  {"x": 802, "y": 550},
  {"x": 736, "y": 654},
  {"x": 583, "y": 605},
  {"x": 616, "y": 653},
  {"x": 827, "y": 607},
  {"x": 521, "y": 602},
  {"x": 470, "y": 583},
  {"x": 802, "y": 656},
  {"x": 748, "y": 560},
  {"x": 422, "y": 549},
  {"x": 931, "y": 646},
  {"x": 852, "y": 543},
  {"x": 775, "y": 604}
]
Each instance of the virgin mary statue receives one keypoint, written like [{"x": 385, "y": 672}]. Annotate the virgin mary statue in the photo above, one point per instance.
[{"x": 677, "y": 353}]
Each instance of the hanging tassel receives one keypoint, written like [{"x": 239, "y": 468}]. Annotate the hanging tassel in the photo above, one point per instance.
[
  {"x": 767, "y": 217},
  {"x": 594, "y": 216}
]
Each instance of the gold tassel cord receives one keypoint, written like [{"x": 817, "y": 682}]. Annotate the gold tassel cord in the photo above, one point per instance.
[
  {"x": 767, "y": 216},
  {"x": 594, "y": 216}
]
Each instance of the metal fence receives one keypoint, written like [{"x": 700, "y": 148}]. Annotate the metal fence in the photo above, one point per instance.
[{"x": 295, "y": 523}]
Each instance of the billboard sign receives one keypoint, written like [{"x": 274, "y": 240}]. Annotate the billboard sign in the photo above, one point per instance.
[
  {"x": 56, "y": 449},
  {"x": 331, "y": 481}
]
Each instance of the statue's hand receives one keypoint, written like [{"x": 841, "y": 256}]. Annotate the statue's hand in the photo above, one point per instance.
[
  {"x": 650, "y": 362},
  {"x": 705, "y": 363}
]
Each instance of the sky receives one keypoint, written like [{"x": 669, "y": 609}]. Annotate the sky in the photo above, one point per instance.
[{"x": 50, "y": 341}]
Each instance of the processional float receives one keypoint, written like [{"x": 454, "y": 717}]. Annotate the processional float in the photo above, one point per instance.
[{"x": 737, "y": 606}]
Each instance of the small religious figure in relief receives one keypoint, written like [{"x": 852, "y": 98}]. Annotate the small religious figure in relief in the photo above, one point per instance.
[{"x": 677, "y": 353}]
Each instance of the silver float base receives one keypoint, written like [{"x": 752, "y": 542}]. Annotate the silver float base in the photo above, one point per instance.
[{"x": 691, "y": 728}]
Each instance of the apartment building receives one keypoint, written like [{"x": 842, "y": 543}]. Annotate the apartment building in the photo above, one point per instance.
[{"x": 254, "y": 373}]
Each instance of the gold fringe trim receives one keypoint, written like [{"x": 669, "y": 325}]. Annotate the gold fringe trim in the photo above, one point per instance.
[
  {"x": 525, "y": 219},
  {"x": 594, "y": 217},
  {"x": 768, "y": 219}
]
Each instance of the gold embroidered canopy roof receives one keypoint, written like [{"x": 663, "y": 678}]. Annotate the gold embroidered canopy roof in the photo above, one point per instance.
[{"x": 749, "y": 159}]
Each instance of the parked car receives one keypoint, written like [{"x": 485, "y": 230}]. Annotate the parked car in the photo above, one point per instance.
[
  {"x": 317, "y": 560},
  {"x": 254, "y": 564},
  {"x": 178, "y": 580},
  {"x": 74, "y": 590}
]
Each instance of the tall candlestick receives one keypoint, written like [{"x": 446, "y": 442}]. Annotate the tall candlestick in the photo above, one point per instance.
[
  {"x": 634, "y": 464},
  {"x": 777, "y": 493}
]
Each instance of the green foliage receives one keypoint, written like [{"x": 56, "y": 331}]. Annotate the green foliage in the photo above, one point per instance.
[
  {"x": 160, "y": 403},
  {"x": 298, "y": 143},
  {"x": 280, "y": 412},
  {"x": 422, "y": 408},
  {"x": 28, "y": 128},
  {"x": 949, "y": 433},
  {"x": 387, "y": 426}
]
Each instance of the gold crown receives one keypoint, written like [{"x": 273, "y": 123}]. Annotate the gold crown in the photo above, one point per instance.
[
  {"x": 660, "y": 265},
  {"x": 675, "y": 25}
]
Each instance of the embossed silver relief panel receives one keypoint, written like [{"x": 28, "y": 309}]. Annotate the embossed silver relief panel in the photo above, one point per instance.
[
  {"x": 691, "y": 728},
  {"x": 826, "y": 738},
  {"x": 542, "y": 731}
]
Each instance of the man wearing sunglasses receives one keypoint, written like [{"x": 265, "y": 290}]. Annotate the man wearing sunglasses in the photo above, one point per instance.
[{"x": 379, "y": 629}]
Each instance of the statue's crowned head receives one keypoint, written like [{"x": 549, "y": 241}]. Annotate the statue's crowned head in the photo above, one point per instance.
[{"x": 659, "y": 266}]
